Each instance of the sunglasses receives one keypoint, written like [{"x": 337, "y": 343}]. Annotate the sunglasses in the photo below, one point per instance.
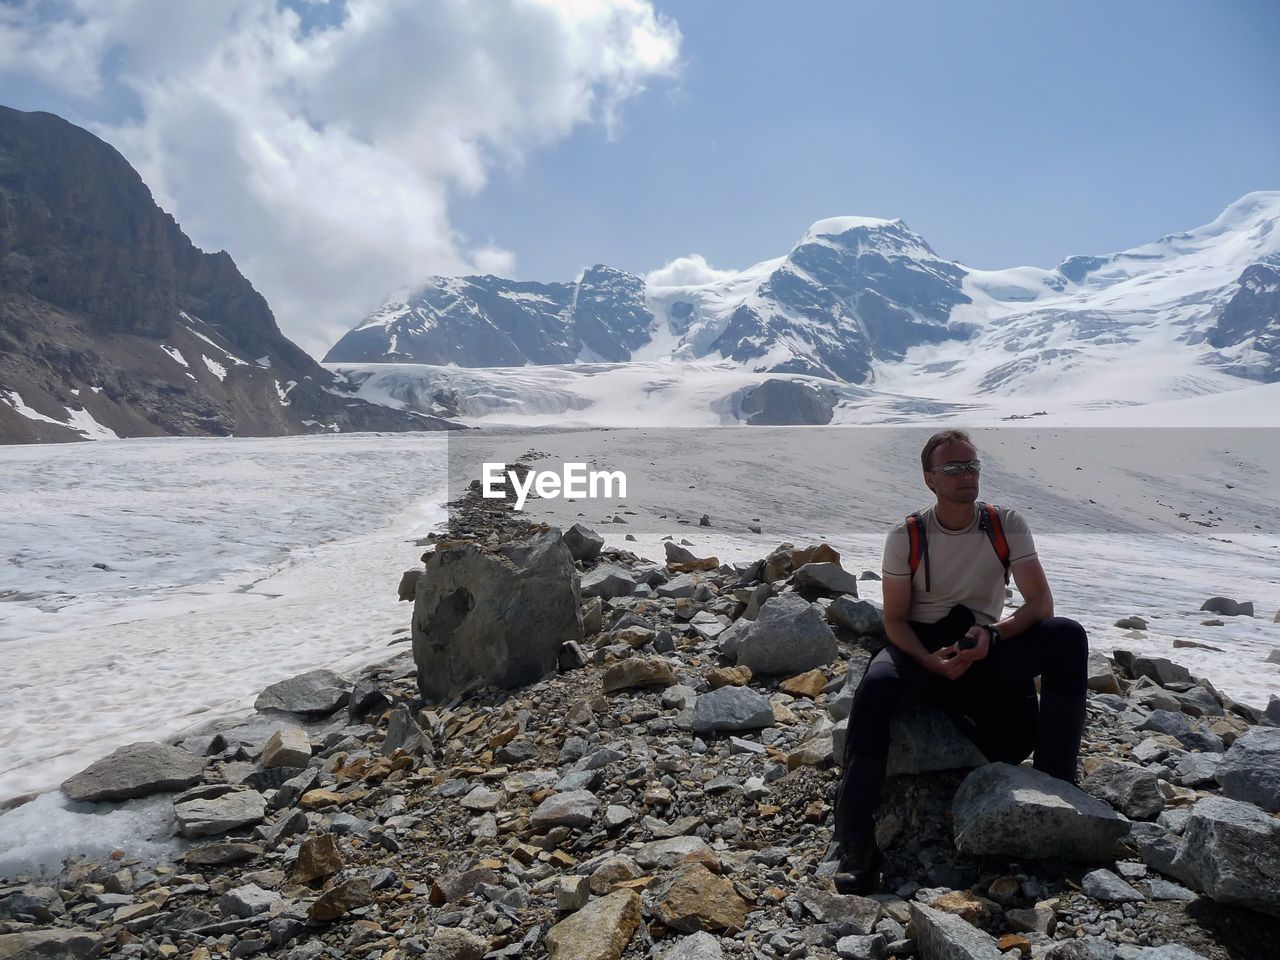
[{"x": 956, "y": 469}]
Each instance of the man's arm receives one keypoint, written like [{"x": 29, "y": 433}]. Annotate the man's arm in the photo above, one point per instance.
[
  {"x": 897, "y": 605},
  {"x": 1037, "y": 598},
  {"x": 1037, "y": 605}
]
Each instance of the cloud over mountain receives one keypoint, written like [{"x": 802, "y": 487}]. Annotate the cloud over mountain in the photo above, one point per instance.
[{"x": 321, "y": 143}]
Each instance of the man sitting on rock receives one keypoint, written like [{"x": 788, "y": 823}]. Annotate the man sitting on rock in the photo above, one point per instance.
[{"x": 945, "y": 570}]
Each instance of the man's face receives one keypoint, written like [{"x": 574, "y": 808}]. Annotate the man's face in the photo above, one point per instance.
[{"x": 959, "y": 489}]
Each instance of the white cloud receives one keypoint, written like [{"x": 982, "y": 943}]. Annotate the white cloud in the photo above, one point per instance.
[
  {"x": 323, "y": 158},
  {"x": 687, "y": 271}
]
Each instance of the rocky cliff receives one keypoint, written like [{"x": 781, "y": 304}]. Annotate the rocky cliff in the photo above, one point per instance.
[{"x": 113, "y": 323}]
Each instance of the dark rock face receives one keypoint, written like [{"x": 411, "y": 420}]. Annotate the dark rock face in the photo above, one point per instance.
[
  {"x": 101, "y": 292},
  {"x": 490, "y": 321},
  {"x": 1252, "y": 317},
  {"x": 788, "y": 402}
]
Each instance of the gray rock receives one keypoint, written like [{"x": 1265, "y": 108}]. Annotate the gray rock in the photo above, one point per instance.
[
  {"x": 608, "y": 581},
  {"x": 1226, "y": 607},
  {"x": 202, "y": 818},
  {"x": 838, "y": 706},
  {"x": 731, "y": 709},
  {"x": 1166, "y": 721},
  {"x": 1024, "y": 813},
  {"x": 1102, "y": 678},
  {"x": 403, "y": 733},
  {"x": 314, "y": 693},
  {"x": 1157, "y": 846},
  {"x": 1131, "y": 789},
  {"x": 1162, "y": 889},
  {"x": 135, "y": 770},
  {"x": 289, "y": 746},
  {"x": 1198, "y": 769},
  {"x": 1231, "y": 852},
  {"x": 859, "y": 914},
  {"x": 573, "y": 808},
  {"x": 408, "y": 583},
  {"x": 788, "y": 637},
  {"x": 1166, "y": 951},
  {"x": 679, "y": 587},
  {"x": 454, "y": 943},
  {"x": 944, "y": 936},
  {"x": 825, "y": 577},
  {"x": 871, "y": 947},
  {"x": 857, "y": 616},
  {"x": 1160, "y": 670},
  {"x": 49, "y": 945},
  {"x": 1104, "y": 885},
  {"x": 40, "y": 903},
  {"x": 1198, "y": 702},
  {"x": 248, "y": 900},
  {"x": 669, "y": 853},
  {"x": 583, "y": 542},
  {"x": 923, "y": 739},
  {"x": 494, "y": 618},
  {"x": 1250, "y": 770},
  {"x": 697, "y": 946}
]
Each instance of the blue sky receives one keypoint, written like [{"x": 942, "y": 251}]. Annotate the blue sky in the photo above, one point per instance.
[
  {"x": 1004, "y": 133},
  {"x": 342, "y": 150}
]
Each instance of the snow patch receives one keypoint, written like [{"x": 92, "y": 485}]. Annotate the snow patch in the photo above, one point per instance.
[
  {"x": 15, "y": 401},
  {"x": 217, "y": 369},
  {"x": 175, "y": 353}
]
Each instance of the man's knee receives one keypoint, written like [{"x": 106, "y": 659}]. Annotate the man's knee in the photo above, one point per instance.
[{"x": 1067, "y": 650}]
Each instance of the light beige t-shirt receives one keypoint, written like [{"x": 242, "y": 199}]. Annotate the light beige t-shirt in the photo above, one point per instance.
[{"x": 963, "y": 566}]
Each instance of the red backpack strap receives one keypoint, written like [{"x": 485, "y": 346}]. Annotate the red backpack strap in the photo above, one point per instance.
[
  {"x": 989, "y": 518},
  {"x": 919, "y": 547}
]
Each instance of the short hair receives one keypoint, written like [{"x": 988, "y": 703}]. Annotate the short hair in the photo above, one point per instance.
[{"x": 937, "y": 440}]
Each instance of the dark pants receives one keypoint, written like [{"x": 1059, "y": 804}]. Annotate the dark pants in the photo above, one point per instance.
[{"x": 994, "y": 703}]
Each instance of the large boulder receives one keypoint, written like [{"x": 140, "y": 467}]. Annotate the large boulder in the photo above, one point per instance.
[
  {"x": 1231, "y": 851},
  {"x": 923, "y": 739},
  {"x": 731, "y": 710},
  {"x": 231, "y": 811},
  {"x": 1102, "y": 678},
  {"x": 607, "y": 581},
  {"x": 135, "y": 770},
  {"x": 1022, "y": 812},
  {"x": 944, "y": 936},
  {"x": 859, "y": 616},
  {"x": 599, "y": 931},
  {"x": 314, "y": 693},
  {"x": 825, "y": 578},
  {"x": 1163, "y": 671},
  {"x": 495, "y": 618},
  {"x": 1130, "y": 788},
  {"x": 55, "y": 944},
  {"x": 583, "y": 542},
  {"x": 788, "y": 637},
  {"x": 1227, "y": 607},
  {"x": 1250, "y": 770}
]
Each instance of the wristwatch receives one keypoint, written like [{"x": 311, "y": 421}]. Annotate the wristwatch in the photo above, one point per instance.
[{"x": 995, "y": 634}]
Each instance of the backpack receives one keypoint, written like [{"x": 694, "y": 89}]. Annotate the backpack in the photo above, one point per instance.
[{"x": 988, "y": 522}]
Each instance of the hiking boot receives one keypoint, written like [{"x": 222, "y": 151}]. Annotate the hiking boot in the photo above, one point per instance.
[{"x": 859, "y": 869}]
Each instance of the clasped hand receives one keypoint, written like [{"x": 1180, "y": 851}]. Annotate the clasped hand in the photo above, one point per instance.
[{"x": 952, "y": 662}]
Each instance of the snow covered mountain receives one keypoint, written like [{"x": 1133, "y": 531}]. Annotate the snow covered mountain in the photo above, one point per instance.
[{"x": 867, "y": 301}]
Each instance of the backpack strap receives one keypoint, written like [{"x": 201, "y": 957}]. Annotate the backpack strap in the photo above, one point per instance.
[
  {"x": 919, "y": 547},
  {"x": 989, "y": 521}
]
